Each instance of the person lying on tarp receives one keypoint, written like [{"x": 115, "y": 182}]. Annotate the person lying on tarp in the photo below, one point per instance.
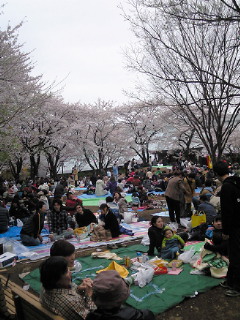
[{"x": 60, "y": 295}]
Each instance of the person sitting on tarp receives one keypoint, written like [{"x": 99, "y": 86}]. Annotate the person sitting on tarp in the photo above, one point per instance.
[
  {"x": 135, "y": 200},
  {"x": 206, "y": 190},
  {"x": 114, "y": 208},
  {"x": 4, "y": 218},
  {"x": 171, "y": 244},
  {"x": 111, "y": 185},
  {"x": 84, "y": 217},
  {"x": 58, "y": 222},
  {"x": 121, "y": 202},
  {"x": 142, "y": 195},
  {"x": 207, "y": 208},
  {"x": 64, "y": 249},
  {"x": 214, "y": 233},
  {"x": 100, "y": 187},
  {"x": 71, "y": 202},
  {"x": 18, "y": 210},
  {"x": 109, "y": 220},
  {"x": 60, "y": 295},
  {"x": 198, "y": 233},
  {"x": 110, "y": 291},
  {"x": 31, "y": 230},
  {"x": 156, "y": 235}
]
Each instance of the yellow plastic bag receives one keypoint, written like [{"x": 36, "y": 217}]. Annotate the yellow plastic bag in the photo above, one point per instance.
[
  {"x": 123, "y": 272},
  {"x": 198, "y": 218},
  {"x": 80, "y": 230}
]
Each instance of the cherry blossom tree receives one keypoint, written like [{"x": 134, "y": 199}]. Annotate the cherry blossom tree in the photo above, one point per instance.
[
  {"x": 20, "y": 91},
  {"x": 193, "y": 66},
  {"x": 143, "y": 122},
  {"x": 98, "y": 134}
]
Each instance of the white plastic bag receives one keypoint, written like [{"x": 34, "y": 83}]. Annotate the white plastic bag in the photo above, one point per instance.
[
  {"x": 143, "y": 277},
  {"x": 127, "y": 217},
  {"x": 173, "y": 226},
  {"x": 187, "y": 256},
  {"x": 19, "y": 223},
  {"x": 145, "y": 240}
]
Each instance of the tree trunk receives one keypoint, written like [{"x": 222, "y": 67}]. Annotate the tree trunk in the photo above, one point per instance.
[
  {"x": 16, "y": 168},
  {"x": 53, "y": 165},
  {"x": 34, "y": 165}
]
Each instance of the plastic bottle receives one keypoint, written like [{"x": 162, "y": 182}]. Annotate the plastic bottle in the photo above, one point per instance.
[
  {"x": 139, "y": 257},
  {"x": 174, "y": 266}
]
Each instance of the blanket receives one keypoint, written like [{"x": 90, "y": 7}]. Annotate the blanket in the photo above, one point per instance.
[
  {"x": 162, "y": 293},
  {"x": 139, "y": 229}
]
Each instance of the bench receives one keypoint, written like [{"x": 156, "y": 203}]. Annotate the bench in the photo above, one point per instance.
[
  {"x": 7, "y": 305},
  {"x": 19, "y": 303}
]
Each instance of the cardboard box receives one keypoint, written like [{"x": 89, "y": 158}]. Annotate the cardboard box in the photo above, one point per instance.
[{"x": 7, "y": 258}]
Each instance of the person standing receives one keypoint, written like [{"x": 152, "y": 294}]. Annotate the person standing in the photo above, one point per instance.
[
  {"x": 75, "y": 175},
  {"x": 230, "y": 209},
  {"x": 115, "y": 171},
  {"x": 189, "y": 186},
  {"x": 174, "y": 195}
]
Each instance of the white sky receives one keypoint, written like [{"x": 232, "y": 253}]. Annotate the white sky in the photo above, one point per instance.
[{"x": 82, "y": 40}]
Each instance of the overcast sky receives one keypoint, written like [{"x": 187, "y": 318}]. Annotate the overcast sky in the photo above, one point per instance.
[{"x": 78, "y": 41}]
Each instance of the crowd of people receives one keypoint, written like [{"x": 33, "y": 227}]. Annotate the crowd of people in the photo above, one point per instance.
[
  {"x": 35, "y": 202},
  {"x": 31, "y": 201}
]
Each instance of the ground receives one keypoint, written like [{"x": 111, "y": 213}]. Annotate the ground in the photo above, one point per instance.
[{"x": 210, "y": 305}]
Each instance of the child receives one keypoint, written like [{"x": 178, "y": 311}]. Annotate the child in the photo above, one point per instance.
[
  {"x": 135, "y": 200},
  {"x": 171, "y": 244}
]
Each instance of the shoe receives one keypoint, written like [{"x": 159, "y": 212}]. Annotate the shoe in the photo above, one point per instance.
[
  {"x": 232, "y": 293},
  {"x": 225, "y": 285}
]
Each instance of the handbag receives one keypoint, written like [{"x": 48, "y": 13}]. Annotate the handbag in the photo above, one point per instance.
[{"x": 198, "y": 218}]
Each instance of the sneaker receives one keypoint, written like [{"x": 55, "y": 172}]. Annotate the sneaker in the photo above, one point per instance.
[
  {"x": 225, "y": 285},
  {"x": 232, "y": 293}
]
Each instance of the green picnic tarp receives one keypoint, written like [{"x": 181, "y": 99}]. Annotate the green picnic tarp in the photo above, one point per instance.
[
  {"x": 95, "y": 201},
  {"x": 162, "y": 293}
]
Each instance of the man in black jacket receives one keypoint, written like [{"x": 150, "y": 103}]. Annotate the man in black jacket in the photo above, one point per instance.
[
  {"x": 84, "y": 217},
  {"x": 32, "y": 227},
  {"x": 230, "y": 210},
  {"x": 4, "y": 218},
  {"x": 109, "y": 220}
]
